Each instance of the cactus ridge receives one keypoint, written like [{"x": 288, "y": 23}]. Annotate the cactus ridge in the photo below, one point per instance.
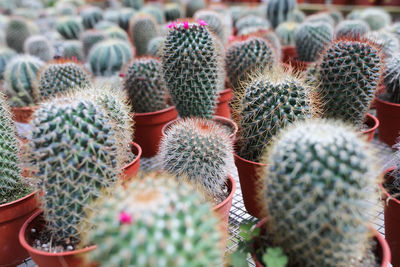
[{"x": 70, "y": 27}]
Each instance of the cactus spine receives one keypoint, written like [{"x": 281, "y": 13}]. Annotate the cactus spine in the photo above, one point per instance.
[
  {"x": 142, "y": 29},
  {"x": 39, "y": 46},
  {"x": 279, "y": 11}
]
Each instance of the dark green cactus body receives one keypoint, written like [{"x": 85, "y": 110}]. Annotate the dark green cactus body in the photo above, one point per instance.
[
  {"x": 91, "y": 37},
  {"x": 136, "y": 4},
  {"x": 191, "y": 69},
  {"x": 279, "y": 11},
  {"x": 154, "y": 47},
  {"x": 124, "y": 16},
  {"x": 69, "y": 27},
  {"x": 39, "y": 46},
  {"x": 391, "y": 79},
  {"x": 90, "y": 16},
  {"x": 173, "y": 11},
  {"x": 348, "y": 76},
  {"x": 17, "y": 31},
  {"x": 72, "y": 49},
  {"x": 351, "y": 29},
  {"x": 142, "y": 29},
  {"x": 6, "y": 54}
]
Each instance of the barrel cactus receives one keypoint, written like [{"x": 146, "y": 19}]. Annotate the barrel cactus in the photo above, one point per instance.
[
  {"x": 154, "y": 47},
  {"x": 17, "y": 30},
  {"x": 286, "y": 32},
  {"x": 142, "y": 29},
  {"x": 6, "y": 55},
  {"x": 124, "y": 16},
  {"x": 173, "y": 11},
  {"x": 69, "y": 27},
  {"x": 252, "y": 21},
  {"x": 39, "y": 46},
  {"x": 135, "y": 4},
  {"x": 194, "y": 5},
  {"x": 91, "y": 37},
  {"x": 391, "y": 79},
  {"x": 116, "y": 33},
  {"x": 215, "y": 23},
  {"x": 319, "y": 176},
  {"x": 90, "y": 16},
  {"x": 388, "y": 42},
  {"x": 351, "y": 29},
  {"x": 376, "y": 18},
  {"x": 72, "y": 49},
  {"x": 321, "y": 17},
  {"x": 279, "y": 11},
  {"x": 155, "y": 221}
]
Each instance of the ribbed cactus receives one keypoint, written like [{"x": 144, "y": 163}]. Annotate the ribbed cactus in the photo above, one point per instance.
[
  {"x": 21, "y": 80},
  {"x": 91, "y": 37},
  {"x": 194, "y": 5},
  {"x": 286, "y": 32},
  {"x": 104, "y": 24},
  {"x": 70, "y": 27},
  {"x": 376, "y": 18},
  {"x": 142, "y": 29},
  {"x": 6, "y": 55},
  {"x": 17, "y": 30},
  {"x": 243, "y": 58},
  {"x": 173, "y": 11},
  {"x": 201, "y": 150},
  {"x": 192, "y": 69},
  {"x": 336, "y": 15},
  {"x": 145, "y": 85},
  {"x": 351, "y": 29},
  {"x": 348, "y": 76},
  {"x": 154, "y": 47},
  {"x": 59, "y": 78},
  {"x": 298, "y": 16},
  {"x": 90, "y": 16},
  {"x": 107, "y": 57},
  {"x": 252, "y": 21},
  {"x": 391, "y": 79},
  {"x": 74, "y": 151},
  {"x": 321, "y": 17},
  {"x": 155, "y": 221},
  {"x": 155, "y": 11},
  {"x": 215, "y": 23},
  {"x": 136, "y": 4},
  {"x": 72, "y": 49},
  {"x": 388, "y": 42},
  {"x": 39, "y": 46},
  {"x": 124, "y": 16},
  {"x": 279, "y": 11},
  {"x": 270, "y": 102},
  {"x": 116, "y": 33},
  {"x": 311, "y": 39},
  {"x": 319, "y": 176}
]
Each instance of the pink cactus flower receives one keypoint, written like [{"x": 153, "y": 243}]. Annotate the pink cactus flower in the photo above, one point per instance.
[
  {"x": 125, "y": 218},
  {"x": 202, "y": 22},
  {"x": 122, "y": 75},
  {"x": 172, "y": 25},
  {"x": 186, "y": 25}
]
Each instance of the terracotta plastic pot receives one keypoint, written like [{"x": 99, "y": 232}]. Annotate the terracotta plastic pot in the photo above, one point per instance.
[
  {"x": 389, "y": 117},
  {"x": 390, "y": 2},
  {"x": 12, "y": 217},
  {"x": 364, "y": 2},
  {"x": 23, "y": 114},
  {"x": 249, "y": 182},
  {"x": 148, "y": 129},
  {"x": 381, "y": 89},
  {"x": 43, "y": 258},
  {"x": 372, "y": 122},
  {"x": 288, "y": 54},
  {"x": 223, "y": 109},
  {"x": 132, "y": 168}
]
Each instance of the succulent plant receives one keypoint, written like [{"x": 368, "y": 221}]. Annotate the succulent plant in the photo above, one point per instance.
[
  {"x": 319, "y": 176},
  {"x": 168, "y": 223},
  {"x": 91, "y": 37},
  {"x": 72, "y": 49},
  {"x": 39, "y": 46},
  {"x": 154, "y": 47},
  {"x": 107, "y": 57},
  {"x": 194, "y": 5},
  {"x": 391, "y": 79},
  {"x": 155, "y": 11},
  {"x": 286, "y": 32},
  {"x": 311, "y": 39},
  {"x": 252, "y": 21},
  {"x": 336, "y": 15},
  {"x": 173, "y": 11},
  {"x": 136, "y": 4},
  {"x": 104, "y": 25},
  {"x": 17, "y": 30},
  {"x": 69, "y": 27},
  {"x": 6, "y": 55},
  {"x": 279, "y": 11},
  {"x": 215, "y": 23},
  {"x": 376, "y": 18},
  {"x": 395, "y": 29},
  {"x": 388, "y": 42},
  {"x": 21, "y": 80},
  {"x": 124, "y": 16},
  {"x": 116, "y": 33},
  {"x": 91, "y": 16},
  {"x": 348, "y": 76},
  {"x": 321, "y": 17},
  {"x": 298, "y": 16},
  {"x": 142, "y": 29},
  {"x": 351, "y": 29}
]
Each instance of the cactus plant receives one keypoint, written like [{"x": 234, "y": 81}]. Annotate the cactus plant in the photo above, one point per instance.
[
  {"x": 173, "y": 11},
  {"x": 89, "y": 38},
  {"x": 317, "y": 180},
  {"x": 142, "y": 29},
  {"x": 6, "y": 55},
  {"x": 155, "y": 221},
  {"x": 194, "y": 5},
  {"x": 215, "y": 23},
  {"x": 71, "y": 178},
  {"x": 395, "y": 29},
  {"x": 104, "y": 24},
  {"x": 90, "y": 16},
  {"x": 286, "y": 32},
  {"x": 145, "y": 85},
  {"x": 116, "y": 33},
  {"x": 69, "y": 27},
  {"x": 311, "y": 38},
  {"x": 154, "y": 47},
  {"x": 336, "y": 15},
  {"x": 124, "y": 16},
  {"x": 201, "y": 150},
  {"x": 351, "y": 29},
  {"x": 155, "y": 11},
  {"x": 391, "y": 79},
  {"x": 279, "y": 11},
  {"x": 298, "y": 16},
  {"x": 270, "y": 102},
  {"x": 252, "y": 21},
  {"x": 39, "y": 46},
  {"x": 21, "y": 80},
  {"x": 321, "y": 17},
  {"x": 72, "y": 49},
  {"x": 348, "y": 76},
  {"x": 107, "y": 57},
  {"x": 388, "y": 42},
  {"x": 376, "y": 18},
  {"x": 17, "y": 30},
  {"x": 192, "y": 81},
  {"x": 135, "y": 4}
]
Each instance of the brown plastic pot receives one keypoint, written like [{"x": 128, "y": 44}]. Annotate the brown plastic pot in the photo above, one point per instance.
[
  {"x": 148, "y": 128},
  {"x": 381, "y": 89},
  {"x": 23, "y": 114},
  {"x": 43, "y": 258},
  {"x": 250, "y": 181},
  {"x": 132, "y": 168},
  {"x": 223, "y": 109},
  {"x": 373, "y": 123},
  {"x": 389, "y": 117},
  {"x": 12, "y": 217},
  {"x": 288, "y": 54}
]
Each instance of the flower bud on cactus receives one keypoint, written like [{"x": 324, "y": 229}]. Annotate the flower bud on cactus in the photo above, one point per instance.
[
  {"x": 91, "y": 37},
  {"x": 286, "y": 32},
  {"x": 72, "y": 49},
  {"x": 142, "y": 29},
  {"x": 279, "y": 11},
  {"x": 154, "y": 47},
  {"x": 6, "y": 55},
  {"x": 215, "y": 23},
  {"x": 376, "y": 18},
  {"x": 21, "y": 80},
  {"x": 39, "y": 46},
  {"x": 351, "y": 29},
  {"x": 391, "y": 79},
  {"x": 136, "y": 4},
  {"x": 90, "y": 16},
  {"x": 155, "y": 221},
  {"x": 192, "y": 69},
  {"x": 69, "y": 27},
  {"x": 17, "y": 30},
  {"x": 318, "y": 181}
]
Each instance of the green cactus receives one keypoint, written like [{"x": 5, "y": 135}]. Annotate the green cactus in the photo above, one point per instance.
[
  {"x": 351, "y": 29},
  {"x": 21, "y": 80},
  {"x": 145, "y": 85},
  {"x": 173, "y": 11},
  {"x": 348, "y": 76},
  {"x": 124, "y": 16},
  {"x": 65, "y": 9},
  {"x": 39, "y": 46},
  {"x": 6, "y": 55},
  {"x": 388, "y": 42},
  {"x": 192, "y": 70},
  {"x": 243, "y": 58},
  {"x": 154, "y": 47},
  {"x": 91, "y": 37},
  {"x": 391, "y": 79},
  {"x": 317, "y": 180},
  {"x": 155, "y": 11},
  {"x": 72, "y": 49},
  {"x": 286, "y": 32},
  {"x": 298, "y": 16},
  {"x": 270, "y": 102},
  {"x": 69, "y": 27},
  {"x": 194, "y": 5},
  {"x": 107, "y": 57},
  {"x": 155, "y": 221},
  {"x": 215, "y": 23},
  {"x": 311, "y": 39},
  {"x": 142, "y": 29},
  {"x": 17, "y": 30},
  {"x": 91, "y": 16},
  {"x": 336, "y": 15},
  {"x": 59, "y": 78},
  {"x": 279, "y": 11},
  {"x": 395, "y": 29},
  {"x": 135, "y": 4},
  {"x": 74, "y": 151},
  {"x": 116, "y": 33},
  {"x": 252, "y": 21},
  {"x": 376, "y": 18},
  {"x": 321, "y": 17},
  {"x": 104, "y": 25}
]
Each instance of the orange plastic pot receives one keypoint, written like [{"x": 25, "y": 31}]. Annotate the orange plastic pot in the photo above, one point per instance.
[
  {"x": 43, "y": 258},
  {"x": 373, "y": 123},
  {"x": 250, "y": 181},
  {"x": 389, "y": 117},
  {"x": 148, "y": 128},
  {"x": 288, "y": 54},
  {"x": 223, "y": 109},
  {"x": 12, "y": 217},
  {"x": 23, "y": 114},
  {"x": 132, "y": 168}
]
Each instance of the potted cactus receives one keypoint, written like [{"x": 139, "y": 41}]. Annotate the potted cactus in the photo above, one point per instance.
[{"x": 286, "y": 32}]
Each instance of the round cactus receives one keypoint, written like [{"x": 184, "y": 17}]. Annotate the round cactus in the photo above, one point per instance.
[
  {"x": 323, "y": 174},
  {"x": 69, "y": 27},
  {"x": 104, "y": 25},
  {"x": 279, "y": 11},
  {"x": 124, "y": 16},
  {"x": 173, "y": 11},
  {"x": 298, "y": 16},
  {"x": 116, "y": 33},
  {"x": 286, "y": 32},
  {"x": 391, "y": 79},
  {"x": 376, "y": 18},
  {"x": 154, "y": 47},
  {"x": 155, "y": 11},
  {"x": 155, "y": 221},
  {"x": 136, "y": 4},
  {"x": 252, "y": 21},
  {"x": 201, "y": 150},
  {"x": 194, "y": 5},
  {"x": 215, "y": 23},
  {"x": 336, "y": 15},
  {"x": 72, "y": 49},
  {"x": 91, "y": 37},
  {"x": 39, "y": 46},
  {"x": 107, "y": 57},
  {"x": 351, "y": 29},
  {"x": 90, "y": 16},
  {"x": 142, "y": 29},
  {"x": 6, "y": 55},
  {"x": 21, "y": 80},
  {"x": 17, "y": 30},
  {"x": 388, "y": 42},
  {"x": 321, "y": 17}
]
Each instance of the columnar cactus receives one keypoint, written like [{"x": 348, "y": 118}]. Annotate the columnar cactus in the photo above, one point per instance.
[
  {"x": 154, "y": 47},
  {"x": 107, "y": 57},
  {"x": 286, "y": 32},
  {"x": 348, "y": 76},
  {"x": 215, "y": 23},
  {"x": 142, "y": 29},
  {"x": 72, "y": 49},
  {"x": 173, "y": 11},
  {"x": 17, "y": 30},
  {"x": 6, "y": 55},
  {"x": 74, "y": 151},
  {"x": 69, "y": 27},
  {"x": 391, "y": 79},
  {"x": 270, "y": 102},
  {"x": 91, "y": 37},
  {"x": 90, "y": 16},
  {"x": 21, "y": 80},
  {"x": 351, "y": 29},
  {"x": 279, "y": 11},
  {"x": 194, "y": 5},
  {"x": 323, "y": 174},
  {"x": 169, "y": 223},
  {"x": 135, "y": 4},
  {"x": 39, "y": 46},
  {"x": 376, "y": 18},
  {"x": 192, "y": 69},
  {"x": 311, "y": 38},
  {"x": 145, "y": 85}
]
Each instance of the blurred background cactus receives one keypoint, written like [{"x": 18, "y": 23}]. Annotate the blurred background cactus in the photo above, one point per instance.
[
  {"x": 286, "y": 32},
  {"x": 90, "y": 16},
  {"x": 279, "y": 11},
  {"x": 391, "y": 79},
  {"x": 69, "y": 27},
  {"x": 142, "y": 29},
  {"x": 351, "y": 29},
  {"x": 39, "y": 46},
  {"x": 17, "y": 30},
  {"x": 6, "y": 55}
]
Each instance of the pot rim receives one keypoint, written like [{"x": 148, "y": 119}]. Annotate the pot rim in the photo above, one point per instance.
[
  {"x": 18, "y": 200},
  {"x": 373, "y": 128},
  {"x": 386, "y": 102},
  {"x": 138, "y": 156},
  {"x": 249, "y": 161},
  {"x": 229, "y": 197},
  {"x": 134, "y": 114}
]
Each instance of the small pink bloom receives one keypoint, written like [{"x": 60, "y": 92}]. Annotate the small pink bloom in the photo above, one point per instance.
[
  {"x": 74, "y": 58},
  {"x": 186, "y": 25},
  {"x": 122, "y": 75},
  {"x": 125, "y": 218},
  {"x": 202, "y": 22},
  {"x": 172, "y": 25}
]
